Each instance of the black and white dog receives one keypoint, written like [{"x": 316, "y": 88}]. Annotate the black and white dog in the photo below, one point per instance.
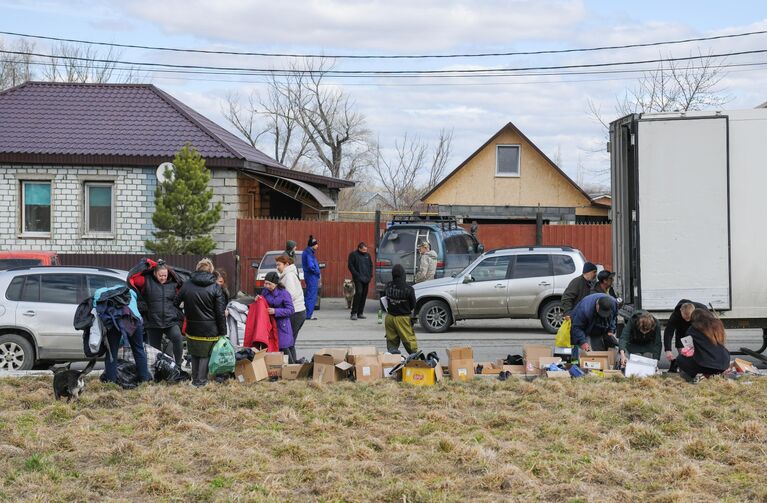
[{"x": 70, "y": 383}]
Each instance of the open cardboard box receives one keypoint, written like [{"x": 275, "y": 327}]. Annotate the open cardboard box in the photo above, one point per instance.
[
  {"x": 274, "y": 363},
  {"x": 388, "y": 362},
  {"x": 460, "y": 362},
  {"x": 419, "y": 373},
  {"x": 597, "y": 360},
  {"x": 293, "y": 371},
  {"x": 246, "y": 371},
  {"x": 532, "y": 354},
  {"x": 367, "y": 368},
  {"x": 355, "y": 351},
  {"x": 330, "y": 365}
]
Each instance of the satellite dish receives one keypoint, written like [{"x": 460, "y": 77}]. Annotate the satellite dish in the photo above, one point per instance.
[{"x": 161, "y": 176}]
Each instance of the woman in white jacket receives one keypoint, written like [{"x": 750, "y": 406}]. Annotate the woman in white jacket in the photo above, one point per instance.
[{"x": 289, "y": 278}]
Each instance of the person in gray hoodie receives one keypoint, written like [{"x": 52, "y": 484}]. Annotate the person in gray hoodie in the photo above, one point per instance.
[{"x": 427, "y": 265}]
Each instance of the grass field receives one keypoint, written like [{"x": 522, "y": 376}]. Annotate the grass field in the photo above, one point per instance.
[{"x": 583, "y": 440}]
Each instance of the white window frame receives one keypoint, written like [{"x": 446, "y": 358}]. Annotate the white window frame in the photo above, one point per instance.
[
  {"x": 22, "y": 209},
  {"x": 86, "y": 209},
  {"x": 519, "y": 161}
]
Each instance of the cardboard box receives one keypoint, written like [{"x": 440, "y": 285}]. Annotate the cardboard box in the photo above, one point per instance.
[
  {"x": 597, "y": 360},
  {"x": 388, "y": 362},
  {"x": 515, "y": 369},
  {"x": 640, "y": 366},
  {"x": 742, "y": 365},
  {"x": 612, "y": 373},
  {"x": 532, "y": 354},
  {"x": 294, "y": 371},
  {"x": 355, "y": 351},
  {"x": 490, "y": 368},
  {"x": 274, "y": 363},
  {"x": 419, "y": 373},
  {"x": 367, "y": 368},
  {"x": 246, "y": 371},
  {"x": 460, "y": 362},
  {"x": 545, "y": 361},
  {"x": 330, "y": 367},
  {"x": 558, "y": 374}
]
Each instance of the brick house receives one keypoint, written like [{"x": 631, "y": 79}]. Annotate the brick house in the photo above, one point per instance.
[{"x": 79, "y": 163}]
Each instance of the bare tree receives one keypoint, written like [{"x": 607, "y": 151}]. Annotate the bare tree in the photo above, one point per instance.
[
  {"x": 85, "y": 63},
  {"x": 442, "y": 151},
  {"x": 16, "y": 69}
]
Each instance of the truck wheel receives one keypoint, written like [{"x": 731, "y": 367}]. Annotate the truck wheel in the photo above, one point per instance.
[
  {"x": 435, "y": 316},
  {"x": 552, "y": 315},
  {"x": 16, "y": 353}
]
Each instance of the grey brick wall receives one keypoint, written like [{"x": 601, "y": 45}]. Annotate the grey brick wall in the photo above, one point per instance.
[{"x": 133, "y": 207}]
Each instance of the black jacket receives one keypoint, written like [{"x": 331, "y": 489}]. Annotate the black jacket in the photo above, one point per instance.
[
  {"x": 400, "y": 298},
  {"x": 203, "y": 305},
  {"x": 574, "y": 293},
  {"x": 677, "y": 325},
  {"x": 361, "y": 266},
  {"x": 707, "y": 354},
  {"x": 158, "y": 302}
]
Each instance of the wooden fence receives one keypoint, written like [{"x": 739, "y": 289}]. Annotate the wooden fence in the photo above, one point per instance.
[{"x": 338, "y": 239}]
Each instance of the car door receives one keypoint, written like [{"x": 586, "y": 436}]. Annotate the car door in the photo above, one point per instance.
[
  {"x": 531, "y": 281},
  {"x": 482, "y": 292},
  {"x": 47, "y": 307},
  {"x": 564, "y": 272}
]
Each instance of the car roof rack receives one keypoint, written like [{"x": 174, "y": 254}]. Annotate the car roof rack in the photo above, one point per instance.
[
  {"x": 531, "y": 248},
  {"x": 47, "y": 267},
  {"x": 447, "y": 222}
]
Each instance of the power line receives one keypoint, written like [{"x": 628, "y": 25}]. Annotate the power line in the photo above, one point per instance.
[
  {"x": 388, "y": 73},
  {"x": 389, "y": 56}
]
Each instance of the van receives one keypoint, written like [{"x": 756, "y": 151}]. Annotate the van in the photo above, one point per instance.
[
  {"x": 455, "y": 247},
  {"x": 11, "y": 259}
]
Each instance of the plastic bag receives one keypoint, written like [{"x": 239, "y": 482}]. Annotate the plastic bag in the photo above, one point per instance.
[
  {"x": 165, "y": 369},
  {"x": 127, "y": 374},
  {"x": 96, "y": 337},
  {"x": 562, "y": 340},
  {"x": 222, "y": 357}
]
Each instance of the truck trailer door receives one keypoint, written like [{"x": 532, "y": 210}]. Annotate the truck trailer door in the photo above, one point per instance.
[{"x": 683, "y": 211}]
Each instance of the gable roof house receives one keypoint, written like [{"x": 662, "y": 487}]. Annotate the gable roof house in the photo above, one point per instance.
[
  {"x": 79, "y": 163},
  {"x": 509, "y": 179}
]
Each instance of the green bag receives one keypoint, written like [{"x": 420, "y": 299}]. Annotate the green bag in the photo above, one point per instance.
[{"x": 221, "y": 358}]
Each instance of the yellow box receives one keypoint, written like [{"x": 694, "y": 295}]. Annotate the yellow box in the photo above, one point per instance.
[{"x": 419, "y": 373}]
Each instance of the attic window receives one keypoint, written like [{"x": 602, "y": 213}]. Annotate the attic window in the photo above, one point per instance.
[{"x": 507, "y": 160}]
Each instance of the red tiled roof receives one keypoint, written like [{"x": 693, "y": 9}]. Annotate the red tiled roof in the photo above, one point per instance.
[{"x": 103, "y": 122}]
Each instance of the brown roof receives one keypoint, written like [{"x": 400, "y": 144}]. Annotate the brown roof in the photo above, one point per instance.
[
  {"x": 120, "y": 124},
  {"x": 515, "y": 129}
]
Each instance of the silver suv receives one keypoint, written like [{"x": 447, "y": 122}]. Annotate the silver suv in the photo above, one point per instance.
[
  {"x": 37, "y": 307},
  {"x": 523, "y": 282}
]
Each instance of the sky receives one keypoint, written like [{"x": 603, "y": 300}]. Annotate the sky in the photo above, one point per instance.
[{"x": 551, "y": 110}]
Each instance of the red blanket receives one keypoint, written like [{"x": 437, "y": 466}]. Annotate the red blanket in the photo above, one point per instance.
[{"x": 260, "y": 328}]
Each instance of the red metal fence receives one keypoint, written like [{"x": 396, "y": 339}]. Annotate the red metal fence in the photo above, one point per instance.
[{"x": 338, "y": 239}]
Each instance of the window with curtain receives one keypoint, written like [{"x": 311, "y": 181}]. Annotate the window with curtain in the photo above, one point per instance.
[
  {"x": 98, "y": 207},
  {"x": 36, "y": 207}
]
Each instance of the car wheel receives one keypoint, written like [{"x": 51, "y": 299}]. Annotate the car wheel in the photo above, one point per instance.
[
  {"x": 16, "y": 353},
  {"x": 552, "y": 315},
  {"x": 435, "y": 316}
]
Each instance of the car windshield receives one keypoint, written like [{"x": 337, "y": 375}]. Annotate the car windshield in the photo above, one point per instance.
[{"x": 269, "y": 261}]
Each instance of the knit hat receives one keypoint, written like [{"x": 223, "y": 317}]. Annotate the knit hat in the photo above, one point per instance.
[
  {"x": 604, "y": 307},
  {"x": 290, "y": 245},
  {"x": 272, "y": 277},
  {"x": 588, "y": 267},
  {"x": 312, "y": 241}
]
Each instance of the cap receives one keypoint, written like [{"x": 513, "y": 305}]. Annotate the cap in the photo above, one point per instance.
[
  {"x": 604, "y": 307},
  {"x": 588, "y": 267},
  {"x": 604, "y": 274}
]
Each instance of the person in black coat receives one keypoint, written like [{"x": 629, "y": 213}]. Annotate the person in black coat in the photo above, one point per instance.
[
  {"x": 162, "y": 317},
  {"x": 578, "y": 288},
  {"x": 400, "y": 303},
  {"x": 708, "y": 356},
  {"x": 676, "y": 327},
  {"x": 204, "y": 306},
  {"x": 361, "y": 266}
]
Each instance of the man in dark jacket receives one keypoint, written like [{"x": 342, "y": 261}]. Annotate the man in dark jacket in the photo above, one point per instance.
[
  {"x": 361, "y": 266},
  {"x": 604, "y": 283},
  {"x": 204, "y": 307},
  {"x": 400, "y": 302},
  {"x": 578, "y": 288},
  {"x": 676, "y": 327},
  {"x": 593, "y": 323}
]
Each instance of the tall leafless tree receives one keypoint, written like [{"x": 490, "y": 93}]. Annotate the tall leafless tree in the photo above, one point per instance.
[{"x": 16, "y": 68}]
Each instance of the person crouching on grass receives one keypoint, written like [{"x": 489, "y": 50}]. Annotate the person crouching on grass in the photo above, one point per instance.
[
  {"x": 400, "y": 300},
  {"x": 708, "y": 355},
  {"x": 641, "y": 336},
  {"x": 281, "y": 307},
  {"x": 204, "y": 307}
]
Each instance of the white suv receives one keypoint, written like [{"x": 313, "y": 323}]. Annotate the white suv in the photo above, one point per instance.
[
  {"x": 37, "y": 308},
  {"x": 523, "y": 282}
]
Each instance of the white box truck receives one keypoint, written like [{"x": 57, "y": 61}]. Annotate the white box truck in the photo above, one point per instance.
[{"x": 689, "y": 212}]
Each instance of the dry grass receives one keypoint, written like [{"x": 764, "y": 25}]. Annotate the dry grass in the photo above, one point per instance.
[{"x": 586, "y": 440}]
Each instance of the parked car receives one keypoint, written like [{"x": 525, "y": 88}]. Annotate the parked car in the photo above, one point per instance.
[
  {"x": 268, "y": 264},
  {"x": 10, "y": 259},
  {"x": 505, "y": 283},
  {"x": 455, "y": 248},
  {"x": 37, "y": 306}
]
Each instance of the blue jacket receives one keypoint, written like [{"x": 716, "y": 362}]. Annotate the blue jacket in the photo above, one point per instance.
[
  {"x": 309, "y": 263},
  {"x": 586, "y": 321}
]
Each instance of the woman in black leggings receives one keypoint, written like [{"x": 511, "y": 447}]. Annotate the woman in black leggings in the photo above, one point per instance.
[{"x": 162, "y": 317}]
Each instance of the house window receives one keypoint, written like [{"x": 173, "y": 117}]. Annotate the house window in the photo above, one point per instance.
[
  {"x": 507, "y": 160},
  {"x": 98, "y": 207},
  {"x": 36, "y": 207}
]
